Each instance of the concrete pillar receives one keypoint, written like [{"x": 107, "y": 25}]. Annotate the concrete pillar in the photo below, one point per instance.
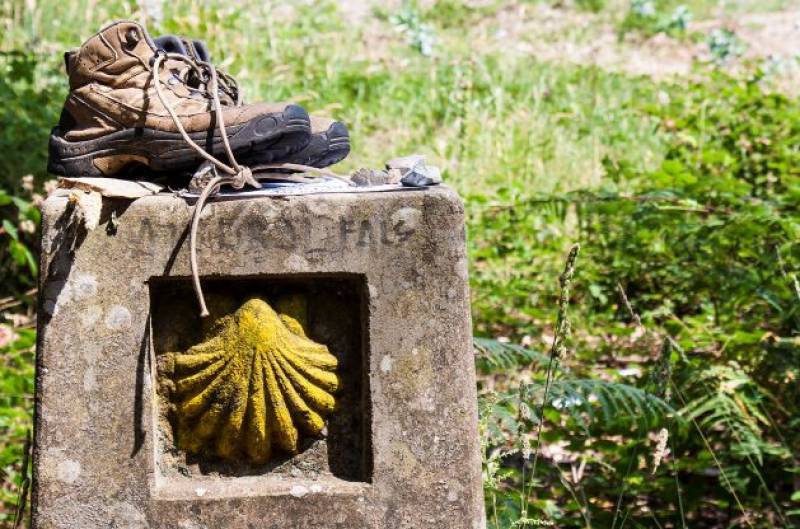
[{"x": 384, "y": 278}]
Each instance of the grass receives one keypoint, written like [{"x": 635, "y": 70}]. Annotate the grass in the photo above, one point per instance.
[
  {"x": 709, "y": 8},
  {"x": 704, "y": 9},
  {"x": 506, "y": 129},
  {"x": 16, "y": 394}
]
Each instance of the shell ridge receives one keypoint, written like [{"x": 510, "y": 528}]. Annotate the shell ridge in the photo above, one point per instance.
[
  {"x": 328, "y": 380},
  {"x": 228, "y": 439},
  {"x": 194, "y": 433},
  {"x": 293, "y": 325},
  {"x": 308, "y": 418},
  {"x": 196, "y": 358},
  {"x": 317, "y": 397},
  {"x": 282, "y": 421},
  {"x": 257, "y": 436},
  {"x": 190, "y": 383},
  {"x": 316, "y": 355},
  {"x": 207, "y": 396}
]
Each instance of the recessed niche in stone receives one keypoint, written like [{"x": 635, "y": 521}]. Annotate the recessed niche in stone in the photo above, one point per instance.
[{"x": 335, "y": 317}]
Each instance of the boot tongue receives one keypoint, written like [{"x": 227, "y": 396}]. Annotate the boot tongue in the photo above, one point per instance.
[
  {"x": 194, "y": 49},
  {"x": 197, "y": 51},
  {"x": 170, "y": 44},
  {"x": 201, "y": 51}
]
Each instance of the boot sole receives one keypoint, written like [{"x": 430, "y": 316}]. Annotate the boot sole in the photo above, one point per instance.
[
  {"x": 268, "y": 137},
  {"x": 324, "y": 149}
]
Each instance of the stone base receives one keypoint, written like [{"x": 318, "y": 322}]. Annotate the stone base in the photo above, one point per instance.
[{"x": 386, "y": 279}]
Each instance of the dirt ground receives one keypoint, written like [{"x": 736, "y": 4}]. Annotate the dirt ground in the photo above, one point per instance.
[
  {"x": 548, "y": 33},
  {"x": 564, "y": 34}
]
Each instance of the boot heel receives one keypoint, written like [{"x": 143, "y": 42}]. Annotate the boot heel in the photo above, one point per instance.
[{"x": 60, "y": 163}]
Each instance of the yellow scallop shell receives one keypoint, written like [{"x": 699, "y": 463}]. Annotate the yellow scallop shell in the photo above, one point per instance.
[{"x": 253, "y": 385}]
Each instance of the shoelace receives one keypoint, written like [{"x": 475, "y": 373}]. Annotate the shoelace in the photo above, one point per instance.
[
  {"x": 227, "y": 83},
  {"x": 236, "y": 175},
  {"x": 230, "y": 86}
]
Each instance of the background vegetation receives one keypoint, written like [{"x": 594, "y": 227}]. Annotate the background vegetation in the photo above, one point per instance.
[{"x": 681, "y": 409}]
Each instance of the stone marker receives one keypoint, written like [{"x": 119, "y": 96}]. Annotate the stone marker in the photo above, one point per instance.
[{"x": 333, "y": 386}]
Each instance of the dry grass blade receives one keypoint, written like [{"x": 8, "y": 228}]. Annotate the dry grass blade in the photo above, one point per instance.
[
  {"x": 24, "y": 487},
  {"x": 556, "y": 353}
]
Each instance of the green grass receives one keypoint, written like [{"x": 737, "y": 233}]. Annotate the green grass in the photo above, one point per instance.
[
  {"x": 712, "y": 8},
  {"x": 16, "y": 408},
  {"x": 509, "y": 132}
]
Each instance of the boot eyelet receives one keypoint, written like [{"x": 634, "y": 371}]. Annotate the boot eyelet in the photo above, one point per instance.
[{"x": 131, "y": 38}]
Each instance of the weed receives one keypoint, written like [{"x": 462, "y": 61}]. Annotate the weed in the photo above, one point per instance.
[
  {"x": 724, "y": 45},
  {"x": 419, "y": 35}
]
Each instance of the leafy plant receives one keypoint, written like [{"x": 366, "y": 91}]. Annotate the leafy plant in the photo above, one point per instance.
[
  {"x": 729, "y": 401},
  {"x": 18, "y": 230},
  {"x": 32, "y": 91},
  {"x": 724, "y": 45},
  {"x": 493, "y": 355},
  {"x": 30, "y": 98},
  {"x": 594, "y": 6},
  {"x": 419, "y": 35},
  {"x": 706, "y": 246},
  {"x": 16, "y": 409},
  {"x": 649, "y": 17},
  {"x": 707, "y": 249},
  {"x": 522, "y": 420},
  {"x": 610, "y": 406}
]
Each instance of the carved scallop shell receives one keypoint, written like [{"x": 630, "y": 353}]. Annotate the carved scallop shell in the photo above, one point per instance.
[{"x": 253, "y": 385}]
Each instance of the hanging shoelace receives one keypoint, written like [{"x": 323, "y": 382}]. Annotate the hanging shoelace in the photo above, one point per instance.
[{"x": 235, "y": 175}]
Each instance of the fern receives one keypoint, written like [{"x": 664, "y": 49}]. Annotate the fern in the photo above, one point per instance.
[
  {"x": 492, "y": 356},
  {"x": 729, "y": 402},
  {"x": 594, "y": 405},
  {"x": 607, "y": 406}
]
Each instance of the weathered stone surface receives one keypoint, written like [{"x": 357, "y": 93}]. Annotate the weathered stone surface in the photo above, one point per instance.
[{"x": 104, "y": 456}]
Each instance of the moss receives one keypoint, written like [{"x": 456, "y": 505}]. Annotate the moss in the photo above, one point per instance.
[{"x": 255, "y": 384}]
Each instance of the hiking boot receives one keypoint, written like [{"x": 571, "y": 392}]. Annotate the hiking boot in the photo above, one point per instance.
[
  {"x": 330, "y": 144},
  {"x": 118, "y": 114},
  {"x": 330, "y": 141}
]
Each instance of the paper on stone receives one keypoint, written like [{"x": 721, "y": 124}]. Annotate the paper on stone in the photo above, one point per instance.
[
  {"x": 89, "y": 203},
  {"x": 112, "y": 187},
  {"x": 322, "y": 185}
]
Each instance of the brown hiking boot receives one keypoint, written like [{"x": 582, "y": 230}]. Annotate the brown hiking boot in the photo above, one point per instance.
[
  {"x": 330, "y": 140},
  {"x": 118, "y": 114}
]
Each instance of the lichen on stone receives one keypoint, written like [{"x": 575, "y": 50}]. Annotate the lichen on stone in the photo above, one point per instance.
[{"x": 254, "y": 384}]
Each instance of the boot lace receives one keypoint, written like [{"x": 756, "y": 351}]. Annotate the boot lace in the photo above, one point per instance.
[{"x": 233, "y": 174}]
